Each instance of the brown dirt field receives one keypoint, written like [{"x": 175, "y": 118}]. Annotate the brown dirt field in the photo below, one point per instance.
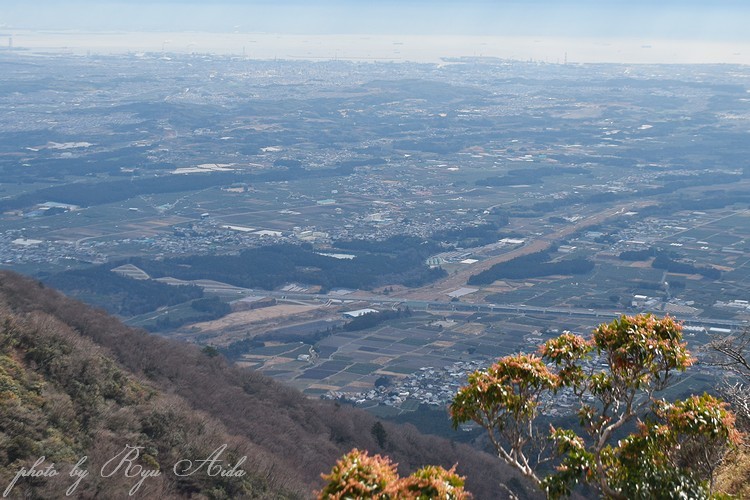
[
  {"x": 641, "y": 265},
  {"x": 243, "y": 318},
  {"x": 470, "y": 329},
  {"x": 443, "y": 343},
  {"x": 359, "y": 384},
  {"x": 325, "y": 387},
  {"x": 272, "y": 360}
]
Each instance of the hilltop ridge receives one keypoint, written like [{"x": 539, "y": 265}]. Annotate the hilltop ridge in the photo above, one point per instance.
[{"x": 77, "y": 382}]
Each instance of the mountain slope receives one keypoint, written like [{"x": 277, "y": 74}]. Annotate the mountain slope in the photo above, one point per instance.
[
  {"x": 76, "y": 382},
  {"x": 63, "y": 398}
]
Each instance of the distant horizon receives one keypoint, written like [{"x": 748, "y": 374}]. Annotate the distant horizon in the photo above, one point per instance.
[
  {"x": 385, "y": 47},
  {"x": 610, "y": 31}
]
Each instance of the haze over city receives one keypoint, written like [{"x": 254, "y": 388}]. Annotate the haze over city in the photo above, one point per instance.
[{"x": 415, "y": 30}]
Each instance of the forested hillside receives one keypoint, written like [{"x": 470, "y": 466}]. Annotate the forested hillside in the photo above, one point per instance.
[{"x": 76, "y": 382}]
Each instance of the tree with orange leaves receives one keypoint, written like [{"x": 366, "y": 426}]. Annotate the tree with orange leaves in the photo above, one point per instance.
[
  {"x": 359, "y": 475},
  {"x": 673, "y": 448}
]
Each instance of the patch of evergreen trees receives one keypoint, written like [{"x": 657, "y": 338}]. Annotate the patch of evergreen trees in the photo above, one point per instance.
[{"x": 533, "y": 265}]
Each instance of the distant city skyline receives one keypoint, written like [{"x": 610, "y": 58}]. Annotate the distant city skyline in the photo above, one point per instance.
[{"x": 687, "y": 31}]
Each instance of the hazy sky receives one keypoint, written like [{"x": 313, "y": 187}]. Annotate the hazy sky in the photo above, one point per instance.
[{"x": 718, "y": 20}]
